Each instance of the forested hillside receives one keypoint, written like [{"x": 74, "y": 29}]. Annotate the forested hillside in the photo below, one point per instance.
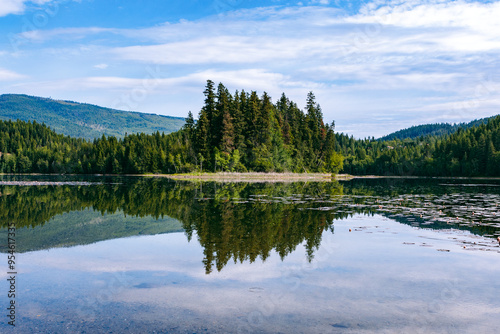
[
  {"x": 83, "y": 120},
  {"x": 437, "y": 129},
  {"x": 247, "y": 132},
  {"x": 27, "y": 147},
  {"x": 471, "y": 152},
  {"x": 243, "y": 132},
  {"x": 31, "y": 147}
]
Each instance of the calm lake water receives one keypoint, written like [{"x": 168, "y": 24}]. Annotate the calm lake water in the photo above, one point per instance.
[{"x": 149, "y": 255}]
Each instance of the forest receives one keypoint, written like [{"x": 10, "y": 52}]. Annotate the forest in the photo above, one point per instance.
[
  {"x": 436, "y": 130},
  {"x": 240, "y": 132},
  {"x": 467, "y": 152},
  {"x": 81, "y": 119},
  {"x": 243, "y": 132}
]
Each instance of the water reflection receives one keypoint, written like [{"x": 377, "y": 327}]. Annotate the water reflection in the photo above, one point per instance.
[
  {"x": 237, "y": 221},
  {"x": 372, "y": 275}
]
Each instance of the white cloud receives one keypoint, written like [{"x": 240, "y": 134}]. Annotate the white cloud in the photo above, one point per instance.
[
  {"x": 71, "y": 34},
  {"x": 456, "y": 25},
  {"x": 101, "y": 66},
  {"x": 319, "y": 2},
  {"x": 16, "y": 6},
  {"x": 248, "y": 79},
  {"x": 11, "y": 7},
  {"x": 294, "y": 35},
  {"x": 221, "y": 49},
  {"x": 481, "y": 17},
  {"x": 6, "y": 75},
  {"x": 392, "y": 57}
]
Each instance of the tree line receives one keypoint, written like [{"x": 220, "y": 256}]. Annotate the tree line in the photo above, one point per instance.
[
  {"x": 240, "y": 132},
  {"x": 466, "y": 152},
  {"x": 246, "y": 132},
  {"x": 436, "y": 130}
]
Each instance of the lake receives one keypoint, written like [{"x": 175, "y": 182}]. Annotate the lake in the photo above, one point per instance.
[{"x": 150, "y": 255}]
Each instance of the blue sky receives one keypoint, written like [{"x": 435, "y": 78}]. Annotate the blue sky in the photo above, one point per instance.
[{"x": 374, "y": 66}]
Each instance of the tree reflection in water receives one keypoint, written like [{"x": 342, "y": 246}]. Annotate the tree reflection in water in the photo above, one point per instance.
[{"x": 234, "y": 221}]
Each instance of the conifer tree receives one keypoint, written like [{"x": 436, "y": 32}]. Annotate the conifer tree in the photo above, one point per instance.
[{"x": 228, "y": 135}]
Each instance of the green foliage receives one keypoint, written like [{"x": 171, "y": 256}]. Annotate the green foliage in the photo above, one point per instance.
[
  {"x": 253, "y": 135},
  {"x": 267, "y": 137},
  {"x": 466, "y": 152},
  {"x": 437, "y": 129},
  {"x": 233, "y": 133},
  {"x": 335, "y": 163},
  {"x": 83, "y": 120},
  {"x": 32, "y": 147}
]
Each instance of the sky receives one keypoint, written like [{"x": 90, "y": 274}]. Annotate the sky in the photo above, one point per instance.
[{"x": 375, "y": 66}]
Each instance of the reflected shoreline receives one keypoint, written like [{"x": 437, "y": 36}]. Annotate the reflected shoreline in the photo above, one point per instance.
[{"x": 235, "y": 221}]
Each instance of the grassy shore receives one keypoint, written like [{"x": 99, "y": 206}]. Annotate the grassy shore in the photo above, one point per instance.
[
  {"x": 294, "y": 177},
  {"x": 257, "y": 177},
  {"x": 266, "y": 177}
]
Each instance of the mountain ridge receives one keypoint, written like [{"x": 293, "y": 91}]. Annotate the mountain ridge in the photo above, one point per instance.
[
  {"x": 84, "y": 120},
  {"x": 432, "y": 129}
]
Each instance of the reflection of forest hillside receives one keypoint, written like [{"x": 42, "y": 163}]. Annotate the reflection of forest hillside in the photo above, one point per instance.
[
  {"x": 232, "y": 221},
  {"x": 238, "y": 221},
  {"x": 86, "y": 227}
]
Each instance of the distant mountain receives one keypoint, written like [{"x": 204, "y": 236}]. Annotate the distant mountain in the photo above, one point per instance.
[
  {"x": 437, "y": 129},
  {"x": 83, "y": 120}
]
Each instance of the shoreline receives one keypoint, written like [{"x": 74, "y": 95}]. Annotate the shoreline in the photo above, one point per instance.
[
  {"x": 292, "y": 177},
  {"x": 253, "y": 177},
  {"x": 264, "y": 177}
]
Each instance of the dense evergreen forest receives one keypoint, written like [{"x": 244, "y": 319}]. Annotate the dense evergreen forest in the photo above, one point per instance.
[
  {"x": 437, "y": 129},
  {"x": 471, "y": 152},
  {"x": 247, "y": 132},
  {"x": 240, "y": 132},
  {"x": 244, "y": 132}
]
